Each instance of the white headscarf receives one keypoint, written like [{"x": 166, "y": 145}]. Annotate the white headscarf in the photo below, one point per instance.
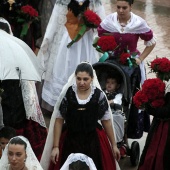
[
  {"x": 79, "y": 157},
  {"x": 46, "y": 156},
  {"x": 31, "y": 160},
  {"x": 6, "y": 22}
]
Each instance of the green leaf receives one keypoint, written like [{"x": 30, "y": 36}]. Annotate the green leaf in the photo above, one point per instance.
[{"x": 24, "y": 30}]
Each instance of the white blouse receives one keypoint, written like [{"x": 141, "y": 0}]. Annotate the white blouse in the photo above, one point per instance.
[{"x": 102, "y": 95}]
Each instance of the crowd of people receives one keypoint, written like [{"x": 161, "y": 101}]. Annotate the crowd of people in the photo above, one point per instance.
[{"x": 87, "y": 121}]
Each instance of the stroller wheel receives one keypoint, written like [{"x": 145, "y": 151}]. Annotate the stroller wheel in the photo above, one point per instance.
[{"x": 135, "y": 151}]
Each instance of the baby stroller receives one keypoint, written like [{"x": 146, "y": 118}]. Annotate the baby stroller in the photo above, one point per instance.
[{"x": 130, "y": 84}]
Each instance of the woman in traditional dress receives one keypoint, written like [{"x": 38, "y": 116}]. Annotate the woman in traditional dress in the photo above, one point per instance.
[
  {"x": 81, "y": 104},
  {"x": 19, "y": 102},
  {"x": 58, "y": 60},
  {"x": 156, "y": 154},
  {"x": 127, "y": 28},
  {"x": 18, "y": 155},
  {"x": 9, "y": 9}
]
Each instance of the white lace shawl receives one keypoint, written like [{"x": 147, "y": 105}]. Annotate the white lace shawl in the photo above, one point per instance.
[
  {"x": 31, "y": 160},
  {"x": 31, "y": 102},
  {"x": 137, "y": 25},
  {"x": 55, "y": 30}
]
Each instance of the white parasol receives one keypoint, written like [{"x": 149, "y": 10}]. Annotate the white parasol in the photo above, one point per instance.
[{"x": 17, "y": 60}]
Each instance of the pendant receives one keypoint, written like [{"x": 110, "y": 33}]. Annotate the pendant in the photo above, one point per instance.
[{"x": 122, "y": 29}]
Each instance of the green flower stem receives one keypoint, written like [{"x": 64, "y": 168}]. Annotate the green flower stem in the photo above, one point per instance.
[
  {"x": 78, "y": 36},
  {"x": 24, "y": 30}
]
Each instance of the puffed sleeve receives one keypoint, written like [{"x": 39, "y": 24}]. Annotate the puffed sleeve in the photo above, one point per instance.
[
  {"x": 148, "y": 38},
  {"x": 101, "y": 31},
  {"x": 104, "y": 113},
  {"x": 63, "y": 108},
  {"x": 162, "y": 112}
]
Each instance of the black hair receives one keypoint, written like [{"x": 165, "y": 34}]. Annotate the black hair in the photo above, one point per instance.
[
  {"x": 7, "y": 132},
  {"x": 85, "y": 67},
  {"x": 17, "y": 140},
  {"x": 5, "y": 27},
  {"x": 78, "y": 165},
  {"x": 114, "y": 76},
  {"x": 130, "y": 2}
]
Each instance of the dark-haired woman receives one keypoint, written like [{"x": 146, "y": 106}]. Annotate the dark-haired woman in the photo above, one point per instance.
[
  {"x": 81, "y": 105},
  {"x": 127, "y": 28},
  {"x": 18, "y": 155},
  {"x": 60, "y": 61}
]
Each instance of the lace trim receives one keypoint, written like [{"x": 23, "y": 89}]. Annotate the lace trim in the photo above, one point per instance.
[
  {"x": 74, "y": 87},
  {"x": 151, "y": 42}
]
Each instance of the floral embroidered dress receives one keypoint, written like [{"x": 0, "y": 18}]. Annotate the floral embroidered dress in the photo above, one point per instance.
[
  {"x": 128, "y": 36},
  {"x": 82, "y": 132}
]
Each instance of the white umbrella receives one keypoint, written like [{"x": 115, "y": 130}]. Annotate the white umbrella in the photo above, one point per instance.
[{"x": 17, "y": 60}]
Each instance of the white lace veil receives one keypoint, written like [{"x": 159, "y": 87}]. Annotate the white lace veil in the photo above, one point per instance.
[
  {"x": 6, "y": 22},
  {"x": 78, "y": 157},
  {"x": 55, "y": 30},
  {"x": 31, "y": 160},
  {"x": 45, "y": 160}
]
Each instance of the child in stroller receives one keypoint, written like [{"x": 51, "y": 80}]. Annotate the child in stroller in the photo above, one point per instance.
[{"x": 112, "y": 88}]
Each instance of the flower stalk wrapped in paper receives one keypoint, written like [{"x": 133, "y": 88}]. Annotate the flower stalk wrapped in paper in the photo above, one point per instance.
[
  {"x": 126, "y": 58},
  {"x": 161, "y": 66},
  {"x": 91, "y": 21},
  {"x": 26, "y": 15},
  {"x": 152, "y": 93},
  {"x": 105, "y": 44}
]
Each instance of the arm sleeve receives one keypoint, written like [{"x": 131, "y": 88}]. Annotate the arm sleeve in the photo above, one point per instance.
[
  {"x": 148, "y": 38},
  {"x": 103, "y": 108},
  {"x": 101, "y": 31}
]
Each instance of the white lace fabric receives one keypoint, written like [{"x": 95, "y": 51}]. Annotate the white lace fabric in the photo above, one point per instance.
[
  {"x": 31, "y": 161},
  {"x": 31, "y": 102},
  {"x": 79, "y": 157}
]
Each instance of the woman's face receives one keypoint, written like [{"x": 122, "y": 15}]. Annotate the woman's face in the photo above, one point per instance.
[
  {"x": 123, "y": 9},
  {"x": 16, "y": 156},
  {"x": 83, "y": 80}
]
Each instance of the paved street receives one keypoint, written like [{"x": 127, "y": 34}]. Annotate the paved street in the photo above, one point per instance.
[{"x": 157, "y": 15}]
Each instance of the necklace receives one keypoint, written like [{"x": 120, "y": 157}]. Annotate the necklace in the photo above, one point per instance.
[
  {"x": 122, "y": 24},
  {"x": 20, "y": 169}
]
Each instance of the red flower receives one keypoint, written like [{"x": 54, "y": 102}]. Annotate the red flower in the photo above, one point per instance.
[
  {"x": 107, "y": 43},
  {"x": 158, "y": 103},
  {"x": 124, "y": 57},
  {"x": 91, "y": 19},
  {"x": 27, "y": 9}
]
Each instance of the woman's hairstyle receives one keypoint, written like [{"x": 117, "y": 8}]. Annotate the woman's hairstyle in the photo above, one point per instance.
[
  {"x": 7, "y": 132},
  {"x": 129, "y": 1},
  {"x": 78, "y": 165},
  {"x": 16, "y": 140},
  {"x": 5, "y": 27},
  {"x": 85, "y": 67}
]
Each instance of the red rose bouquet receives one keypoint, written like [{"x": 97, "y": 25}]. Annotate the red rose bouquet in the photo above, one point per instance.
[
  {"x": 161, "y": 66},
  {"x": 152, "y": 93},
  {"x": 128, "y": 59},
  {"x": 26, "y": 15},
  {"x": 105, "y": 44},
  {"x": 91, "y": 20}
]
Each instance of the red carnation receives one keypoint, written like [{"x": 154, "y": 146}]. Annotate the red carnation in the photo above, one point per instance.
[
  {"x": 106, "y": 43},
  {"x": 158, "y": 103},
  {"x": 27, "y": 9},
  {"x": 124, "y": 57},
  {"x": 91, "y": 19}
]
